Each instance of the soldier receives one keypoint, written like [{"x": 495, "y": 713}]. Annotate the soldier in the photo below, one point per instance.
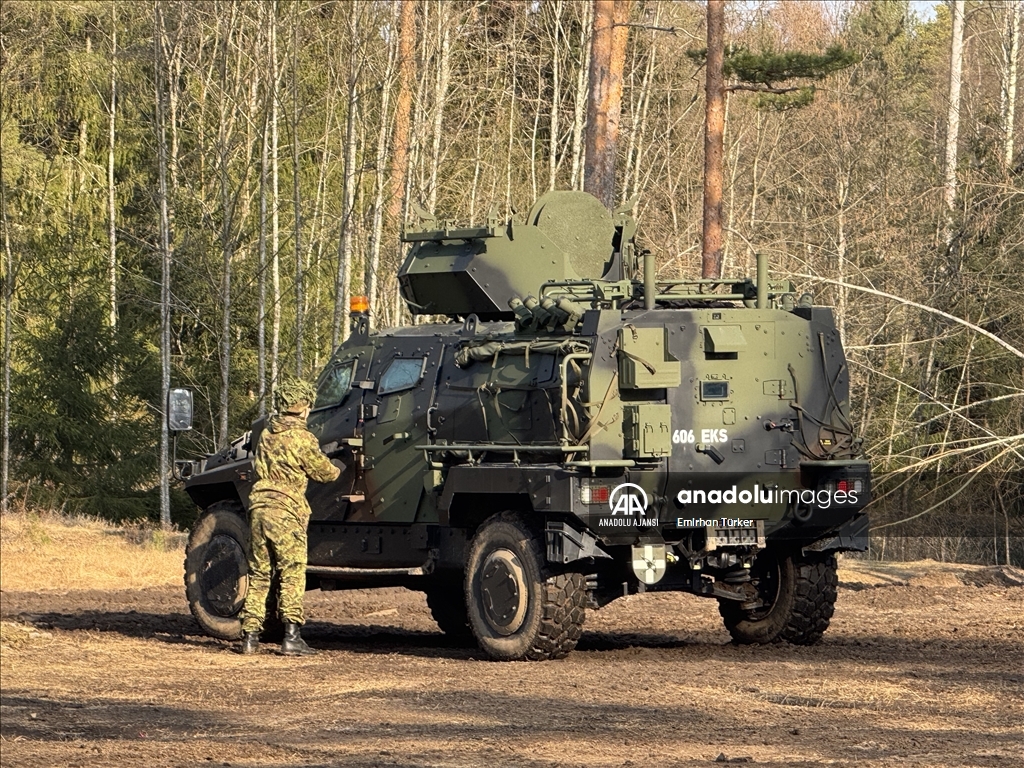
[{"x": 287, "y": 454}]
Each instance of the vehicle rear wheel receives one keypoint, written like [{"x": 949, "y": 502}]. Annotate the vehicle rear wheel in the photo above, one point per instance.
[
  {"x": 518, "y": 609},
  {"x": 217, "y": 573},
  {"x": 799, "y": 595}
]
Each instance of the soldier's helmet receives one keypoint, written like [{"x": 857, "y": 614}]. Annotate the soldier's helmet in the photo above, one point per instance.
[{"x": 294, "y": 395}]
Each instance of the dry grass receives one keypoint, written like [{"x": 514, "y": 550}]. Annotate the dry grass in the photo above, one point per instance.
[{"x": 42, "y": 551}]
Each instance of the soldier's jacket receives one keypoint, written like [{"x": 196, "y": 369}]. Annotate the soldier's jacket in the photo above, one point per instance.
[{"x": 288, "y": 454}]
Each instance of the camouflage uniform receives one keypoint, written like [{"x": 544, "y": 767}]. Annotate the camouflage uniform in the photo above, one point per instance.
[{"x": 287, "y": 454}]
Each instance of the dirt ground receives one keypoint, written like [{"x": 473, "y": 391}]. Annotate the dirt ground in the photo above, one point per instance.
[{"x": 918, "y": 668}]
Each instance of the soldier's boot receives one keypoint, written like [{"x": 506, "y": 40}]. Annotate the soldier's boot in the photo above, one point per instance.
[
  {"x": 293, "y": 644},
  {"x": 250, "y": 643}
]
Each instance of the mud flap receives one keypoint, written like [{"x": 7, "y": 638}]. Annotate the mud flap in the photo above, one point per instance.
[
  {"x": 852, "y": 536},
  {"x": 564, "y": 544}
]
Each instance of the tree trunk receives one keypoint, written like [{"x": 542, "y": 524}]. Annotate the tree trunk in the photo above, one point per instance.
[
  {"x": 556, "y": 96},
  {"x": 714, "y": 142},
  {"x": 165, "y": 278},
  {"x": 579, "y": 119},
  {"x": 956, "y": 63},
  {"x": 403, "y": 110},
  {"x": 401, "y": 136},
  {"x": 343, "y": 278},
  {"x": 8, "y": 283},
  {"x": 226, "y": 240},
  {"x": 372, "y": 276},
  {"x": 1011, "y": 52},
  {"x": 604, "y": 105},
  {"x": 477, "y": 162},
  {"x": 111, "y": 202},
  {"x": 275, "y": 219},
  {"x": 635, "y": 152},
  {"x": 297, "y": 200},
  {"x": 440, "y": 96},
  {"x": 513, "y": 71},
  {"x": 261, "y": 275}
]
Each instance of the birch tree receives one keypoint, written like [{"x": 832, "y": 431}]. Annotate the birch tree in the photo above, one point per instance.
[
  {"x": 956, "y": 63},
  {"x": 8, "y": 289},
  {"x": 159, "y": 40},
  {"x": 111, "y": 192},
  {"x": 343, "y": 277},
  {"x": 1008, "y": 89}
]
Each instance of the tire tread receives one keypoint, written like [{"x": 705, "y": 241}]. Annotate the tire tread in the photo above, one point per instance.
[
  {"x": 815, "y": 588},
  {"x": 563, "y": 599}
]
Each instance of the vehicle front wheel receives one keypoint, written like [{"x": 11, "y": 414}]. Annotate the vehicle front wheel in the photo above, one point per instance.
[
  {"x": 217, "y": 573},
  {"x": 799, "y": 596},
  {"x": 517, "y": 608}
]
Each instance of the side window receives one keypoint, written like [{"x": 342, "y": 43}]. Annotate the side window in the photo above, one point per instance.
[
  {"x": 402, "y": 373},
  {"x": 334, "y": 384}
]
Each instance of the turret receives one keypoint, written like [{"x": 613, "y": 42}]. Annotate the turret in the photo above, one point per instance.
[{"x": 565, "y": 236}]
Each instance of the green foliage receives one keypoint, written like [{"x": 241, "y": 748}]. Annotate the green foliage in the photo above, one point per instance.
[
  {"x": 780, "y": 102},
  {"x": 79, "y": 429},
  {"x": 770, "y": 68},
  {"x": 768, "y": 72}
]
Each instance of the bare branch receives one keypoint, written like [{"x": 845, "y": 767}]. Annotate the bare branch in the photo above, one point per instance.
[
  {"x": 924, "y": 307},
  {"x": 760, "y": 88}
]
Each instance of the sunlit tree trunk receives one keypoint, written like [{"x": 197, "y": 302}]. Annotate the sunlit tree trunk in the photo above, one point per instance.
[
  {"x": 638, "y": 132},
  {"x": 403, "y": 110},
  {"x": 8, "y": 285},
  {"x": 579, "y": 119},
  {"x": 165, "y": 275},
  {"x": 604, "y": 104},
  {"x": 512, "y": 72},
  {"x": 261, "y": 274},
  {"x": 714, "y": 142},
  {"x": 224, "y": 131},
  {"x": 556, "y": 95},
  {"x": 111, "y": 200},
  {"x": 444, "y": 24},
  {"x": 372, "y": 276},
  {"x": 956, "y": 62},
  {"x": 1008, "y": 95},
  {"x": 343, "y": 277},
  {"x": 275, "y": 218},
  {"x": 400, "y": 145},
  {"x": 297, "y": 201}
]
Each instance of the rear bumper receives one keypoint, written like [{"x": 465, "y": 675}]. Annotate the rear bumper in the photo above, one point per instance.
[{"x": 831, "y": 506}]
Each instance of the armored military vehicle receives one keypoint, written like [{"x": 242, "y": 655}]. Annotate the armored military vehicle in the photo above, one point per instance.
[{"x": 570, "y": 435}]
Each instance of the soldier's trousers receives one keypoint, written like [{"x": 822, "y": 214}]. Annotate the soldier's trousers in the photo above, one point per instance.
[{"x": 278, "y": 541}]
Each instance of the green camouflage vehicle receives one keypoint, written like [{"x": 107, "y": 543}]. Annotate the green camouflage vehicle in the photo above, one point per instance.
[{"x": 571, "y": 435}]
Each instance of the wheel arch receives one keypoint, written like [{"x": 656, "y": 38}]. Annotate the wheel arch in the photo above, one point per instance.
[
  {"x": 471, "y": 510},
  {"x": 207, "y": 495}
]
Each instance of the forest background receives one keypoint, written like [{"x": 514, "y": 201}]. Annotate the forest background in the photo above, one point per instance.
[{"x": 239, "y": 169}]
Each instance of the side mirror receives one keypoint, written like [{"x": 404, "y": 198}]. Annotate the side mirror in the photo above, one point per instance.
[{"x": 179, "y": 410}]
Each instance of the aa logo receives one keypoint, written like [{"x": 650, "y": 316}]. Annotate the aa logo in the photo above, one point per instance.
[{"x": 629, "y": 499}]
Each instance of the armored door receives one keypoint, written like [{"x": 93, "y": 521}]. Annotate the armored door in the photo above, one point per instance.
[
  {"x": 335, "y": 419},
  {"x": 395, "y": 415}
]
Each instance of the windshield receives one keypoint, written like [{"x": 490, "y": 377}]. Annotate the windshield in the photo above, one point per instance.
[{"x": 334, "y": 384}]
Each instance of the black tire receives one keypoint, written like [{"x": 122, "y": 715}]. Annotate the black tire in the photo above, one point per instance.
[
  {"x": 799, "y": 592},
  {"x": 217, "y": 573},
  {"x": 447, "y": 603},
  {"x": 518, "y": 609}
]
